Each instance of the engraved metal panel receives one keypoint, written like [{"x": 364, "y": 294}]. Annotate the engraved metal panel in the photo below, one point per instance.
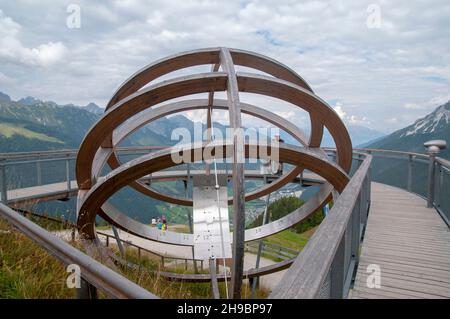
[{"x": 210, "y": 213}]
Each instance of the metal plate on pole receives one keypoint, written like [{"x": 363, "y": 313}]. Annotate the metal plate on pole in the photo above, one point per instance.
[{"x": 211, "y": 222}]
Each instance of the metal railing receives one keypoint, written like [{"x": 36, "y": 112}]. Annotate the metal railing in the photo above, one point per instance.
[
  {"x": 326, "y": 266},
  {"x": 271, "y": 250},
  {"x": 410, "y": 171},
  {"x": 328, "y": 261},
  {"x": 441, "y": 194},
  {"x": 164, "y": 259},
  {"x": 92, "y": 272},
  {"x": 20, "y": 170}
]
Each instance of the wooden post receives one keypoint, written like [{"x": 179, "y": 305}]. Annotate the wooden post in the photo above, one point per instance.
[
  {"x": 234, "y": 108},
  {"x": 337, "y": 272}
]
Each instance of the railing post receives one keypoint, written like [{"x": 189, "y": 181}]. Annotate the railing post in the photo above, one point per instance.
[
  {"x": 68, "y": 173},
  {"x": 337, "y": 272},
  {"x": 139, "y": 255},
  {"x": 433, "y": 148},
  {"x": 410, "y": 163},
  {"x": 119, "y": 241},
  {"x": 3, "y": 183},
  {"x": 86, "y": 290},
  {"x": 39, "y": 171},
  {"x": 431, "y": 181},
  {"x": 441, "y": 185}
]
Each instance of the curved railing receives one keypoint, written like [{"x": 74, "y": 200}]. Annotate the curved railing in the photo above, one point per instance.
[
  {"x": 428, "y": 177},
  {"x": 325, "y": 266}
]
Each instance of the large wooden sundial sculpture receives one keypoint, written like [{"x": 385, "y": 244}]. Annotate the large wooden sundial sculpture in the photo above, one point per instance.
[{"x": 134, "y": 105}]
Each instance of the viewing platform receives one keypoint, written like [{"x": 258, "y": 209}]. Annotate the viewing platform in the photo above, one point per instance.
[
  {"x": 371, "y": 226},
  {"x": 410, "y": 244}
]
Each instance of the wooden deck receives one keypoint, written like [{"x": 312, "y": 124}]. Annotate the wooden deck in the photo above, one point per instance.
[{"x": 409, "y": 242}]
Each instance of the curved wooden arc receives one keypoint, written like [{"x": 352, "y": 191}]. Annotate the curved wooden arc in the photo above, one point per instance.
[
  {"x": 149, "y": 115},
  {"x": 133, "y": 104},
  {"x": 91, "y": 203}
]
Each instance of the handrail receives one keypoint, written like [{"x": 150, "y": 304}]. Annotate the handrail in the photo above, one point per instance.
[
  {"x": 102, "y": 277},
  {"x": 336, "y": 282},
  {"x": 145, "y": 249},
  {"x": 131, "y": 149},
  {"x": 64, "y": 152},
  {"x": 272, "y": 249},
  {"x": 323, "y": 267}
]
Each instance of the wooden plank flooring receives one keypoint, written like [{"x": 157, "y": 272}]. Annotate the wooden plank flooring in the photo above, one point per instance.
[{"x": 411, "y": 245}]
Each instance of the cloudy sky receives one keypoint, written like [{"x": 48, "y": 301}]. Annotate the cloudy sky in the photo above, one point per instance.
[{"x": 381, "y": 64}]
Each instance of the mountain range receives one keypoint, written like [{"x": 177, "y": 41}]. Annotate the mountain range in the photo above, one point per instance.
[
  {"x": 30, "y": 124},
  {"x": 435, "y": 125}
]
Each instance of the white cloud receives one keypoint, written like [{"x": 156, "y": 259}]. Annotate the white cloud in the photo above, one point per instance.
[
  {"x": 413, "y": 106},
  {"x": 340, "y": 111},
  {"x": 12, "y": 49},
  {"x": 379, "y": 73},
  {"x": 350, "y": 119}
]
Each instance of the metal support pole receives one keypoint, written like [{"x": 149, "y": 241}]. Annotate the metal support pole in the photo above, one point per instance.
[
  {"x": 4, "y": 184},
  {"x": 431, "y": 181},
  {"x": 119, "y": 242},
  {"x": 86, "y": 290},
  {"x": 255, "y": 282},
  {"x": 214, "y": 284},
  {"x": 441, "y": 185},
  {"x": 39, "y": 172},
  {"x": 191, "y": 229},
  {"x": 68, "y": 174},
  {"x": 410, "y": 163},
  {"x": 433, "y": 148}
]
